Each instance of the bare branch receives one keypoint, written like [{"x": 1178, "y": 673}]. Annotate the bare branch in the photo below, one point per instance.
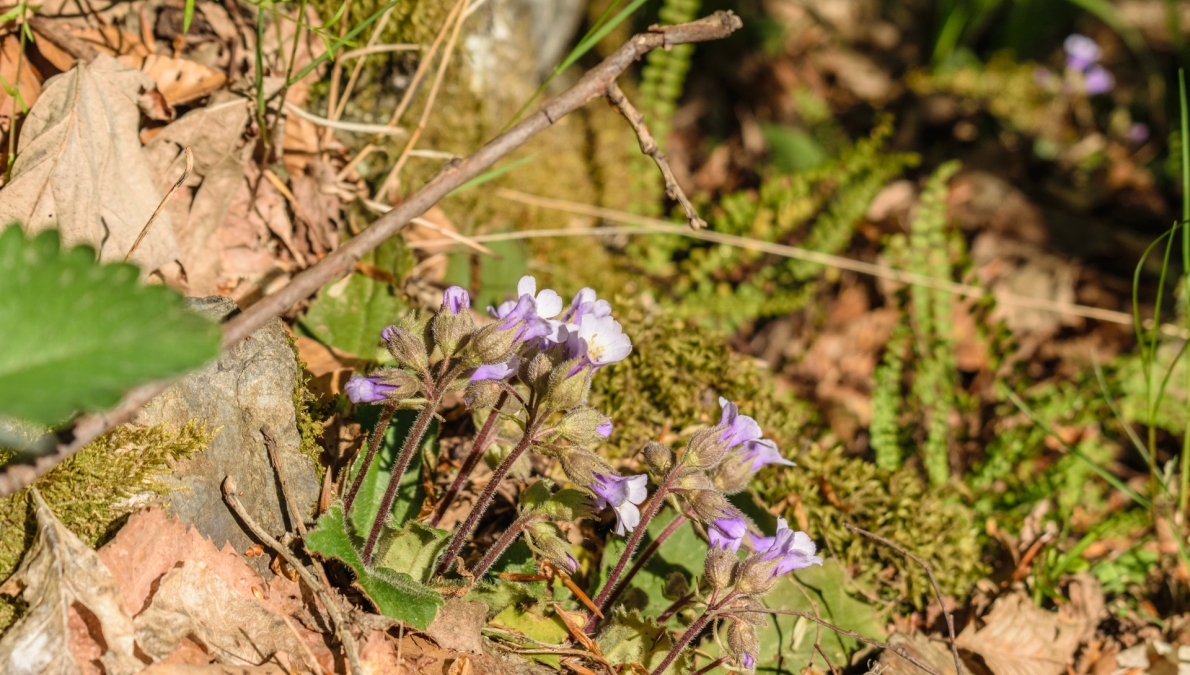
[
  {"x": 342, "y": 261},
  {"x": 648, "y": 145}
]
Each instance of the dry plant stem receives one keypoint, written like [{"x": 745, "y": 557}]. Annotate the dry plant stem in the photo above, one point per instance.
[
  {"x": 954, "y": 650},
  {"x": 270, "y": 444},
  {"x": 648, "y": 145},
  {"x": 510, "y": 535},
  {"x": 393, "y": 179},
  {"x": 424, "y": 66},
  {"x": 463, "y": 531},
  {"x": 412, "y": 443},
  {"x": 164, "y": 200},
  {"x": 604, "y": 599},
  {"x": 478, "y": 447},
  {"x": 342, "y": 631},
  {"x": 337, "y": 112},
  {"x": 676, "y": 607},
  {"x": 641, "y": 560},
  {"x": 830, "y": 665},
  {"x": 342, "y": 261},
  {"x": 713, "y": 665},
  {"x": 337, "y": 66},
  {"x": 374, "y": 441}
]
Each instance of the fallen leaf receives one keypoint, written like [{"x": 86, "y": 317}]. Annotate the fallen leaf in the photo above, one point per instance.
[
  {"x": 457, "y": 626},
  {"x": 27, "y": 82},
  {"x": 328, "y": 368},
  {"x": 319, "y": 206},
  {"x": 214, "y": 669},
  {"x": 79, "y": 167},
  {"x": 194, "y": 602},
  {"x": 181, "y": 80},
  {"x": 58, "y": 571}
]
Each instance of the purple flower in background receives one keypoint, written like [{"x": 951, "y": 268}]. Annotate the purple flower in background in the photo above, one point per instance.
[
  {"x": 740, "y": 428},
  {"x": 1138, "y": 132},
  {"x": 1098, "y": 81},
  {"x": 1081, "y": 52},
  {"x": 497, "y": 371},
  {"x": 366, "y": 389},
  {"x": 763, "y": 451},
  {"x": 728, "y": 532},
  {"x": 604, "y": 429},
  {"x": 622, "y": 493},
  {"x": 455, "y": 299},
  {"x": 793, "y": 550}
]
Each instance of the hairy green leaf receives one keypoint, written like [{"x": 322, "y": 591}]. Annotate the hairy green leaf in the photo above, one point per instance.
[
  {"x": 76, "y": 334},
  {"x": 412, "y": 549},
  {"x": 410, "y": 494},
  {"x": 633, "y": 639},
  {"x": 549, "y": 630},
  {"x": 395, "y": 594}
]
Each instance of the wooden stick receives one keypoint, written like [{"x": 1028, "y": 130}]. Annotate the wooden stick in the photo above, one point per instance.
[{"x": 164, "y": 200}]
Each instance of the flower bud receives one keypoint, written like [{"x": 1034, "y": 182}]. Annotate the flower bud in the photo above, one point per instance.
[
  {"x": 750, "y": 610},
  {"x": 451, "y": 330},
  {"x": 719, "y": 567},
  {"x": 708, "y": 504},
  {"x": 566, "y": 391},
  {"x": 706, "y": 449},
  {"x": 659, "y": 458},
  {"x": 580, "y": 465},
  {"x": 756, "y": 576},
  {"x": 692, "y": 480},
  {"x": 455, "y": 300},
  {"x": 405, "y": 383},
  {"x": 535, "y": 370},
  {"x": 733, "y": 474},
  {"x": 581, "y": 426},
  {"x": 492, "y": 344},
  {"x": 545, "y": 541},
  {"x": 482, "y": 394},
  {"x": 743, "y": 643},
  {"x": 406, "y": 343}
]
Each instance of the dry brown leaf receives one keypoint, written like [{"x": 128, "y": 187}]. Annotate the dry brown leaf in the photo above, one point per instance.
[
  {"x": 181, "y": 80},
  {"x": 192, "y": 601},
  {"x": 214, "y": 133},
  {"x": 1019, "y": 638},
  {"x": 317, "y": 204},
  {"x": 27, "y": 82},
  {"x": 58, "y": 571},
  {"x": 214, "y": 669},
  {"x": 458, "y": 626},
  {"x": 110, "y": 40},
  {"x": 80, "y": 169}
]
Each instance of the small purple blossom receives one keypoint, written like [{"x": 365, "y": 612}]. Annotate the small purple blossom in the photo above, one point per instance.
[
  {"x": 587, "y": 303},
  {"x": 761, "y": 452},
  {"x": 1138, "y": 132},
  {"x": 455, "y": 299},
  {"x": 1098, "y": 81},
  {"x": 366, "y": 389},
  {"x": 740, "y": 428},
  {"x": 1081, "y": 52},
  {"x": 749, "y": 661},
  {"x": 793, "y": 550},
  {"x": 728, "y": 532},
  {"x": 570, "y": 564},
  {"x": 522, "y": 312},
  {"x": 497, "y": 371},
  {"x": 599, "y": 341},
  {"x": 623, "y": 494},
  {"x": 604, "y": 429}
]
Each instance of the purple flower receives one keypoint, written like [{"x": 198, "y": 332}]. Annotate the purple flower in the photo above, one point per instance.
[
  {"x": 793, "y": 550},
  {"x": 497, "y": 371},
  {"x": 1098, "y": 81},
  {"x": 455, "y": 299},
  {"x": 763, "y": 451},
  {"x": 549, "y": 303},
  {"x": 586, "y": 303},
  {"x": 1138, "y": 132},
  {"x": 522, "y": 312},
  {"x": 599, "y": 341},
  {"x": 366, "y": 389},
  {"x": 604, "y": 429},
  {"x": 740, "y": 428},
  {"x": 749, "y": 661},
  {"x": 570, "y": 564},
  {"x": 622, "y": 493},
  {"x": 728, "y": 532},
  {"x": 1081, "y": 52}
]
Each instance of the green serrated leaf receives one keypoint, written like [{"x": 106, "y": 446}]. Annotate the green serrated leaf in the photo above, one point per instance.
[
  {"x": 550, "y": 629},
  {"x": 412, "y": 549},
  {"x": 395, "y": 594},
  {"x": 633, "y": 639},
  {"x": 350, "y": 313},
  {"x": 76, "y": 334},
  {"x": 497, "y": 277},
  {"x": 410, "y": 494}
]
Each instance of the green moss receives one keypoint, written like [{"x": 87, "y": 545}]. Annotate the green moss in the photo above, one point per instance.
[
  {"x": 828, "y": 491},
  {"x": 673, "y": 378},
  {"x": 310, "y": 414},
  {"x": 93, "y": 491}
]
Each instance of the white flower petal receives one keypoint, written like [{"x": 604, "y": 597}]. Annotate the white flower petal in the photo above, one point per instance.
[
  {"x": 526, "y": 286},
  {"x": 638, "y": 488},
  {"x": 549, "y": 304},
  {"x": 627, "y": 517}
]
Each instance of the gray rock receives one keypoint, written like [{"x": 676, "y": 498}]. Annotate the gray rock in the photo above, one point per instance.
[{"x": 248, "y": 387}]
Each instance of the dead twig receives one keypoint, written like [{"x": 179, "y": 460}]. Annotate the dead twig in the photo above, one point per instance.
[
  {"x": 270, "y": 444},
  {"x": 954, "y": 650},
  {"x": 164, "y": 200},
  {"x": 342, "y": 630},
  {"x": 648, "y": 145},
  {"x": 342, "y": 261}
]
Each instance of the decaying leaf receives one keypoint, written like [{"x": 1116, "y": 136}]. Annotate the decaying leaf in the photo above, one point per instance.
[
  {"x": 58, "y": 571},
  {"x": 79, "y": 166},
  {"x": 27, "y": 82},
  {"x": 1019, "y": 638},
  {"x": 194, "y": 602},
  {"x": 179, "y": 80},
  {"x": 458, "y": 624}
]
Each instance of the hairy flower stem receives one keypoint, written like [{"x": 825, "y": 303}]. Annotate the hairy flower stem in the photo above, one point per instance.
[
  {"x": 640, "y": 562},
  {"x": 386, "y": 416},
  {"x": 692, "y": 632},
  {"x": 485, "y": 498},
  {"x": 678, "y": 605},
  {"x": 478, "y": 447},
  {"x": 711, "y": 666},
  {"x": 510, "y": 535},
  {"x": 601, "y": 600},
  {"x": 412, "y": 442}
]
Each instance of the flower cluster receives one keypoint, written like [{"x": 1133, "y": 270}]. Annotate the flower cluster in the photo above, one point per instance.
[{"x": 1084, "y": 72}]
